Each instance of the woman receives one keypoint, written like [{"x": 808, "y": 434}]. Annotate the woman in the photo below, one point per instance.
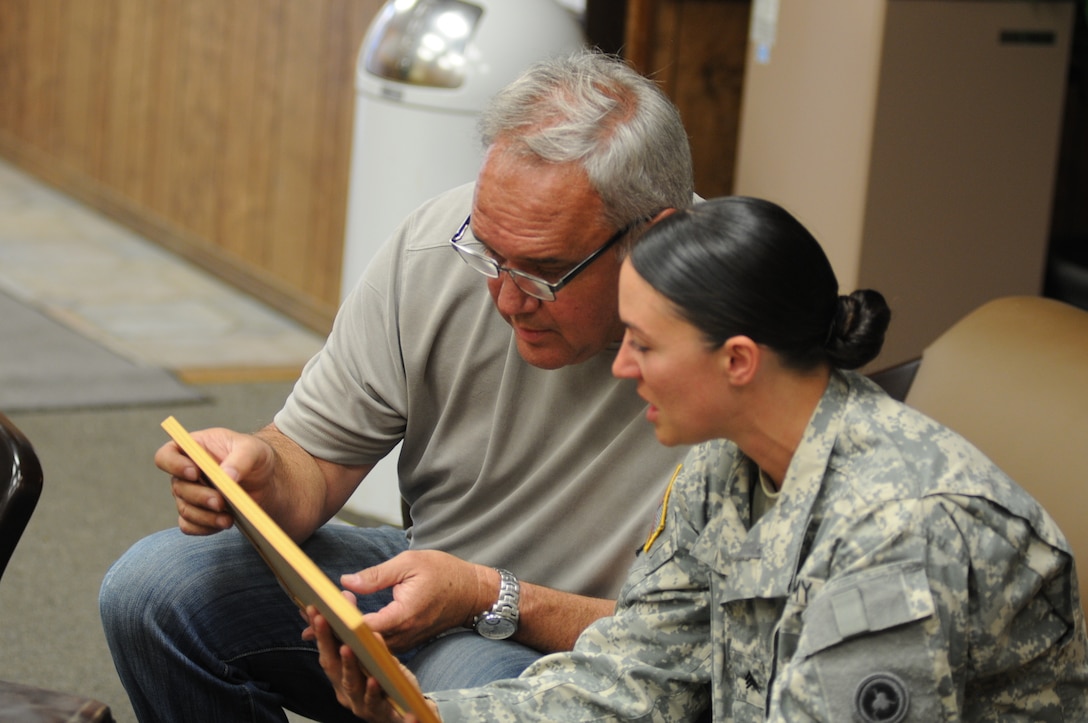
[{"x": 830, "y": 554}]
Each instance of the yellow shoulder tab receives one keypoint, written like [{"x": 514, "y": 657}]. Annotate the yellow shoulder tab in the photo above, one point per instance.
[{"x": 664, "y": 511}]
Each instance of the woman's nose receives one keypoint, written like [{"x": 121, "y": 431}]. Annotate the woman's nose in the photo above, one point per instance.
[{"x": 624, "y": 366}]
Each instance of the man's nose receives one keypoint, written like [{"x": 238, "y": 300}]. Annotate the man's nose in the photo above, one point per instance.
[{"x": 510, "y": 298}]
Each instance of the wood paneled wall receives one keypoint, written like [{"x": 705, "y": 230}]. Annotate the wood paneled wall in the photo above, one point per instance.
[
  {"x": 696, "y": 49},
  {"x": 218, "y": 128},
  {"x": 222, "y": 129}
]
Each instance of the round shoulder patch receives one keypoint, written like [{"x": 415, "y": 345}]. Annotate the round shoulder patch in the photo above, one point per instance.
[{"x": 881, "y": 698}]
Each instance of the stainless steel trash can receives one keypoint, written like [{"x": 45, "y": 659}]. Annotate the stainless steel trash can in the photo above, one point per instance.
[{"x": 425, "y": 70}]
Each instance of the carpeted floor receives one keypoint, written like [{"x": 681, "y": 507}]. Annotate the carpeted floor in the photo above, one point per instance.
[
  {"x": 46, "y": 365},
  {"x": 102, "y": 493}
]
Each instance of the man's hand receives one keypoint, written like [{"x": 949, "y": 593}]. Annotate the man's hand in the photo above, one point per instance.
[
  {"x": 355, "y": 690},
  {"x": 299, "y": 491},
  {"x": 245, "y": 458},
  {"x": 432, "y": 592}
]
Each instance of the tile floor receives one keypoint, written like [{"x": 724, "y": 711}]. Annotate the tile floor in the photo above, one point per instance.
[{"x": 134, "y": 297}]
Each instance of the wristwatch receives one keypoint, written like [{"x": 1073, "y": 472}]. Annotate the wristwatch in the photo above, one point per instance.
[{"x": 501, "y": 621}]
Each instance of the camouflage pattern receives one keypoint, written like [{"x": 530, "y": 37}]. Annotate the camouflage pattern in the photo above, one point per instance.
[{"x": 900, "y": 577}]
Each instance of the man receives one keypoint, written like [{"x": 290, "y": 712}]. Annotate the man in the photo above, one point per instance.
[{"x": 519, "y": 446}]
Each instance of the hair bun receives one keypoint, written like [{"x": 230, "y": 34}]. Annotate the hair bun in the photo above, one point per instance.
[{"x": 857, "y": 329}]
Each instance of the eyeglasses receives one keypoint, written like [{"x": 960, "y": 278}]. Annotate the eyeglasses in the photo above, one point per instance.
[{"x": 532, "y": 285}]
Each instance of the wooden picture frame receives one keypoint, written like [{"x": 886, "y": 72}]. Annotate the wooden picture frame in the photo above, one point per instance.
[{"x": 305, "y": 583}]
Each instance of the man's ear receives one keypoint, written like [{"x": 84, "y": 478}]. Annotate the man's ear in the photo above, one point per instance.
[
  {"x": 662, "y": 214},
  {"x": 741, "y": 358}
]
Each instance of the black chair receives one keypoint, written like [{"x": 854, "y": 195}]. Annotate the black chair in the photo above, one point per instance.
[
  {"x": 20, "y": 487},
  {"x": 21, "y": 476}
]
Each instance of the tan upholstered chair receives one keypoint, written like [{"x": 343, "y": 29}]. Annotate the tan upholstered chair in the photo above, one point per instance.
[{"x": 1012, "y": 377}]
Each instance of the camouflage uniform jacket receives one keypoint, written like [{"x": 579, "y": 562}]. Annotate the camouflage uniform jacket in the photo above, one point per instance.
[{"x": 899, "y": 577}]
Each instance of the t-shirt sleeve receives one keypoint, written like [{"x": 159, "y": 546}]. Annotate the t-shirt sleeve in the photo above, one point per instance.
[{"x": 348, "y": 406}]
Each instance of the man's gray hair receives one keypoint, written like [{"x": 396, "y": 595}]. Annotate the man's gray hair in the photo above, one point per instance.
[{"x": 594, "y": 109}]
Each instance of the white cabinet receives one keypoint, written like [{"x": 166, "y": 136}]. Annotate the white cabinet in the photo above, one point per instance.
[{"x": 918, "y": 140}]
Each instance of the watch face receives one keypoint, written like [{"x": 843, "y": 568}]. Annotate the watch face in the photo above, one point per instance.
[{"x": 495, "y": 627}]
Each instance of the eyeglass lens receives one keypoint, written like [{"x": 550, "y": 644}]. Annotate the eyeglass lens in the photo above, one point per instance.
[{"x": 489, "y": 267}]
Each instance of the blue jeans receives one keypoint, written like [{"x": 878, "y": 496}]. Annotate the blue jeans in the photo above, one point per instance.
[{"x": 200, "y": 630}]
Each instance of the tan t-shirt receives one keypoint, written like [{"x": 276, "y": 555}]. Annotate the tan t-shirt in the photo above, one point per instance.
[{"x": 555, "y": 475}]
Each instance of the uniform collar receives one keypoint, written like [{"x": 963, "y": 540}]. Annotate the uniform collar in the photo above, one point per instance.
[{"x": 761, "y": 561}]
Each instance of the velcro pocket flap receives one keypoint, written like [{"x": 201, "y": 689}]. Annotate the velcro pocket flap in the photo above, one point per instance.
[{"x": 865, "y": 602}]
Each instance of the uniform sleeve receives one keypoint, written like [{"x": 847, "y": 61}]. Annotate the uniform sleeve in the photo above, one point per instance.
[
  {"x": 940, "y": 609},
  {"x": 650, "y": 661}
]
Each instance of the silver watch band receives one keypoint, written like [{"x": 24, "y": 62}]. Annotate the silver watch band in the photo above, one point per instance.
[
  {"x": 509, "y": 595},
  {"x": 501, "y": 621}
]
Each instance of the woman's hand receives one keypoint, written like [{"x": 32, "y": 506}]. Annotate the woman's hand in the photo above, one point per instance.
[{"x": 355, "y": 690}]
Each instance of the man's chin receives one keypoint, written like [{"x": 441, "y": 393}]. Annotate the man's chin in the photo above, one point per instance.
[
  {"x": 543, "y": 359},
  {"x": 550, "y": 350},
  {"x": 546, "y": 356}
]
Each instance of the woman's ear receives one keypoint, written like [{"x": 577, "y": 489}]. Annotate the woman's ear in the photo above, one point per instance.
[{"x": 741, "y": 358}]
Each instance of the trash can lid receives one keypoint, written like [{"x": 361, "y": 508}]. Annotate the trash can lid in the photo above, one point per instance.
[
  {"x": 421, "y": 43},
  {"x": 458, "y": 53}
]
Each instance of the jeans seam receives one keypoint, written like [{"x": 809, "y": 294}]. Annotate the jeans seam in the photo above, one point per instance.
[{"x": 272, "y": 649}]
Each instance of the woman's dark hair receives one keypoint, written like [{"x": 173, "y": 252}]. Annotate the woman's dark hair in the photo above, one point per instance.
[{"x": 744, "y": 266}]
